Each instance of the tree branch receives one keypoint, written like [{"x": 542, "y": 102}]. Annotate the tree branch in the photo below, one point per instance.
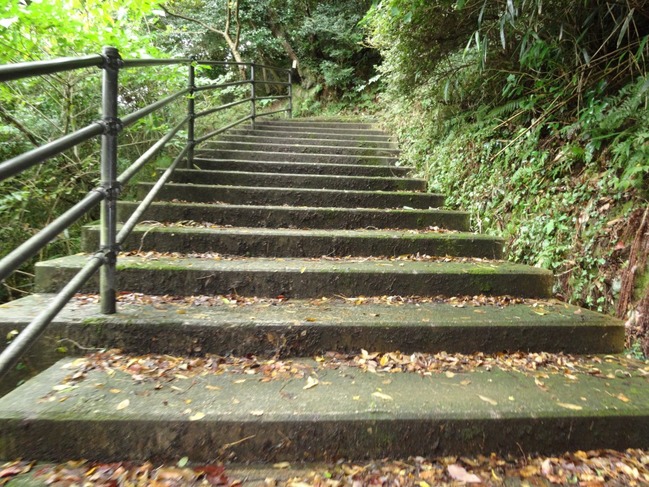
[
  {"x": 16, "y": 123},
  {"x": 191, "y": 19}
]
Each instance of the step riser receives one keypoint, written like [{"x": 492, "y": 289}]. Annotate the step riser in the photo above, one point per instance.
[
  {"x": 278, "y": 217},
  {"x": 308, "y": 141},
  {"x": 160, "y": 441},
  {"x": 297, "y": 181},
  {"x": 307, "y": 339},
  {"x": 297, "y": 157},
  {"x": 311, "y": 129},
  {"x": 293, "y": 196},
  {"x": 245, "y": 419},
  {"x": 177, "y": 280},
  {"x": 301, "y": 149},
  {"x": 297, "y": 168},
  {"x": 316, "y": 125},
  {"x": 279, "y": 134},
  {"x": 264, "y": 245}
]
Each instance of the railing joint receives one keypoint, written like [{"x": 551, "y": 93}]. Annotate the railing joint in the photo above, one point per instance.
[
  {"x": 112, "y": 125},
  {"x": 112, "y": 59},
  {"x": 111, "y": 190}
]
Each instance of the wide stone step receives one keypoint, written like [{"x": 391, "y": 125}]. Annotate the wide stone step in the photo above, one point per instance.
[
  {"x": 301, "y": 168},
  {"x": 241, "y": 178},
  {"x": 252, "y": 195},
  {"x": 297, "y": 157},
  {"x": 305, "y": 278},
  {"x": 300, "y": 328},
  {"x": 318, "y": 413},
  {"x": 338, "y": 135},
  {"x": 262, "y": 242},
  {"x": 287, "y": 127},
  {"x": 298, "y": 217},
  {"x": 242, "y": 137},
  {"x": 299, "y": 148},
  {"x": 317, "y": 124}
]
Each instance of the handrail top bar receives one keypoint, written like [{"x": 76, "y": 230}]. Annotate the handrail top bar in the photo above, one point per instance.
[{"x": 10, "y": 72}]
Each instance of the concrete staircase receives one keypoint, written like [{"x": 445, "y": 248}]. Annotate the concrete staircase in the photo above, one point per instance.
[{"x": 299, "y": 243}]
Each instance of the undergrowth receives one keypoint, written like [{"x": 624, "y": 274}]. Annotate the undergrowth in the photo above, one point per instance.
[{"x": 547, "y": 148}]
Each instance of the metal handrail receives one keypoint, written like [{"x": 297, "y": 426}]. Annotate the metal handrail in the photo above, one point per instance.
[{"x": 109, "y": 127}]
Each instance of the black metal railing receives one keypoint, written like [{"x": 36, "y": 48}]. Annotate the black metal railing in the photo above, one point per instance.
[{"x": 107, "y": 193}]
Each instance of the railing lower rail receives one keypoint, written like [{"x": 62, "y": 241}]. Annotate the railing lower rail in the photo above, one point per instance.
[{"x": 107, "y": 194}]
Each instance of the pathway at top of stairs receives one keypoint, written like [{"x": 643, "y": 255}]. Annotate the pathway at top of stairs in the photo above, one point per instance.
[{"x": 301, "y": 239}]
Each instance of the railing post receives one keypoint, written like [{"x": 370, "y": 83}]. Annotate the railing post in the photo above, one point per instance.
[
  {"x": 191, "y": 114},
  {"x": 253, "y": 108},
  {"x": 112, "y": 126},
  {"x": 290, "y": 93}
]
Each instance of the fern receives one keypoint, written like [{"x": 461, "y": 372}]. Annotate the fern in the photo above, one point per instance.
[{"x": 508, "y": 108}]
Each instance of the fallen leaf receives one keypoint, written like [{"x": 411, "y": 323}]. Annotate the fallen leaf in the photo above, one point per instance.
[
  {"x": 311, "y": 382},
  {"x": 257, "y": 412},
  {"x": 115, "y": 391},
  {"x": 123, "y": 405},
  {"x": 380, "y": 395},
  {"x": 529, "y": 471},
  {"x": 197, "y": 416},
  {"x": 489, "y": 400},
  {"x": 622, "y": 397},
  {"x": 183, "y": 462},
  {"x": 459, "y": 473},
  {"x": 282, "y": 465},
  {"x": 566, "y": 405},
  {"x": 449, "y": 374}
]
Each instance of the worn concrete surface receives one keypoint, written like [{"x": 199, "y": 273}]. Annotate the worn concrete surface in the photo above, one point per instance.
[
  {"x": 267, "y": 242},
  {"x": 305, "y": 328},
  {"x": 314, "y": 134},
  {"x": 306, "y": 278},
  {"x": 297, "y": 157},
  {"x": 243, "y": 178},
  {"x": 256, "y": 195},
  {"x": 301, "y": 168},
  {"x": 296, "y": 147},
  {"x": 267, "y": 139},
  {"x": 349, "y": 413},
  {"x": 298, "y": 217}
]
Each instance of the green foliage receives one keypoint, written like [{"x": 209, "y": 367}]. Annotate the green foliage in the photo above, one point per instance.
[
  {"x": 36, "y": 110},
  {"x": 324, "y": 38},
  {"x": 534, "y": 118}
]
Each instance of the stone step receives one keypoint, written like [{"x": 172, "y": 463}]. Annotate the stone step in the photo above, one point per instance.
[
  {"x": 318, "y": 413},
  {"x": 301, "y": 168},
  {"x": 317, "y": 125},
  {"x": 268, "y": 242},
  {"x": 287, "y": 127},
  {"x": 298, "y": 217},
  {"x": 297, "y": 148},
  {"x": 242, "y": 137},
  {"x": 301, "y": 328},
  {"x": 301, "y": 135},
  {"x": 255, "y": 195},
  {"x": 241, "y": 178},
  {"x": 305, "y": 278},
  {"x": 297, "y": 157}
]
